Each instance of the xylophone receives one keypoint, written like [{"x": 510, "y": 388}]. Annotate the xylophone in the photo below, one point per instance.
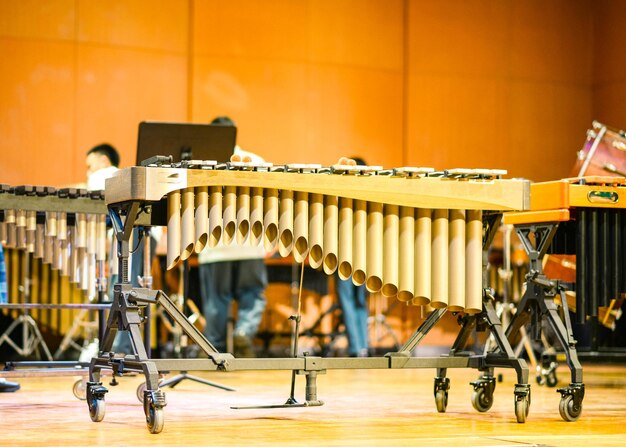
[
  {"x": 582, "y": 216},
  {"x": 65, "y": 229},
  {"x": 413, "y": 233}
]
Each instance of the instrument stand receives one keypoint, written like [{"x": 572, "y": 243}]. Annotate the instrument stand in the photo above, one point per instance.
[
  {"x": 537, "y": 304},
  {"x": 31, "y": 335},
  {"x": 311, "y": 399},
  {"x": 184, "y": 375},
  {"x": 126, "y": 314},
  {"x": 502, "y": 356},
  {"x": 482, "y": 397}
]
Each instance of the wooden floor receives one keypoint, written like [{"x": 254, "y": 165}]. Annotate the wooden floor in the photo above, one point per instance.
[{"x": 362, "y": 407}]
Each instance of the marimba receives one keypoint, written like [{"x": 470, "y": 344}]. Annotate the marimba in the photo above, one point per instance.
[
  {"x": 66, "y": 229},
  {"x": 409, "y": 232},
  {"x": 584, "y": 216}
]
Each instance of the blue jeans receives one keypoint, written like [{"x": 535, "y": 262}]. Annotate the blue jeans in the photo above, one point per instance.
[
  {"x": 220, "y": 283},
  {"x": 352, "y": 300}
]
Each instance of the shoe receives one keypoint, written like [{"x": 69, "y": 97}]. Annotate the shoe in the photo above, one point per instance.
[
  {"x": 243, "y": 347},
  {"x": 8, "y": 387}
]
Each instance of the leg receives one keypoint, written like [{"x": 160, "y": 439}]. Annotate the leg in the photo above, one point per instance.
[
  {"x": 347, "y": 300},
  {"x": 362, "y": 315},
  {"x": 249, "y": 284},
  {"x": 215, "y": 281}
]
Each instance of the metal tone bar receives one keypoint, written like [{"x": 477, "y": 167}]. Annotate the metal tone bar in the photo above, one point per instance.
[
  {"x": 152, "y": 183},
  {"x": 616, "y": 253},
  {"x": 605, "y": 271},
  {"x": 593, "y": 258},
  {"x": 55, "y": 306},
  {"x": 581, "y": 266},
  {"x": 52, "y": 203}
]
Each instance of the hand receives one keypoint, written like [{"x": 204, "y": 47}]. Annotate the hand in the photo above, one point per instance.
[
  {"x": 346, "y": 161},
  {"x": 237, "y": 157}
]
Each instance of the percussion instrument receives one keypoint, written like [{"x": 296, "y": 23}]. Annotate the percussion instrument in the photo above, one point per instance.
[
  {"x": 408, "y": 232},
  {"x": 604, "y": 153},
  {"x": 414, "y": 233},
  {"x": 582, "y": 216},
  {"x": 592, "y": 227},
  {"x": 64, "y": 229}
]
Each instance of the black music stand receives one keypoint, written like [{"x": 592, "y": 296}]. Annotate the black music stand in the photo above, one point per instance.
[{"x": 185, "y": 141}]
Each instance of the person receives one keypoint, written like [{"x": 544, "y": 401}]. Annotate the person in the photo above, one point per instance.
[
  {"x": 233, "y": 272},
  {"x": 5, "y": 385},
  {"x": 102, "y": 162},
  {"x": 353, "y": 301}
]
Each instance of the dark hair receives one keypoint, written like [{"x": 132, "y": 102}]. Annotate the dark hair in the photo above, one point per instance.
[
  {"x": 107, "y": 150},
  {"x": 359, "y": 161},
  {"x": 223, "y": 121}
]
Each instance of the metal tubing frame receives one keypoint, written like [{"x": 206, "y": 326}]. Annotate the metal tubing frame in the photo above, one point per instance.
[
  {"x": 537, "y": 303},
  {"x": 125, "y": 315}
]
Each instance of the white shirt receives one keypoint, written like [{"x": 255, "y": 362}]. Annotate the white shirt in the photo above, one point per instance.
[
  {"x": 95, "y": 182},
  {"x": 234, "y": 251}
]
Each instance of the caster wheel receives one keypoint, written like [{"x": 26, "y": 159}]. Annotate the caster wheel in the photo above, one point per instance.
[
  {"x": 551, "y": 379},
  {"x": 154, "y": 417},
  {"x": 97, "y": 408},
  {"x": 482, "y": 400},
  {"x": 441, "y": 400},
  {"x": 522, "y": 406},
  {"x": 80, "y": 389},
  {"x": 568, "y": 410},
  {"x": 140, "y": 391}
]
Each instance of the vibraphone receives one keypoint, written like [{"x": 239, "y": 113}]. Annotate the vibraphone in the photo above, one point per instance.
[
  {"x": 410, "y": 232},
  {"x": 66, "y": 229},
  {"x": 584, "y": 216}
]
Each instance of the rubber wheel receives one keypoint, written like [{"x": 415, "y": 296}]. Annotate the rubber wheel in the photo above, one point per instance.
[
  {"x": 441, "y": 400},
  {"x": 140, "y": 389},
  {"x": 97, "y": 408},
  {"x": 154, "y": 418},
  {"x": 551, "y": 379},
  {"x": 481, "y": 400},
  {"x": 80, "y": 389},
  {"x": 567, "y": 409},
  {"x": 522, "y": 406}
]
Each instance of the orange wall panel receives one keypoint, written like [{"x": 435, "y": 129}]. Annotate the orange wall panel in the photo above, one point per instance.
[
  {"x": 609, "y": 101},
  {"x": 250, "y": 28},
  {"x": 36, "y": 117},
  {"x": 355, "y": 112},
  {"x": 117, "y": 88},
  {"x": 38, "y": 19},
  {"x": 457, "y": 37},
  {"x": 609, "y": 64},
  {"x": 361, "y": 33},
  {"x": 547, "y": 127},
  {"x": 265, "y": 99},
  {"x": 486, "y": 83},
  {"x": 147, "y": 24},
  {"x": 551, "y": 41},
  {"x": 457, "y": 122}
]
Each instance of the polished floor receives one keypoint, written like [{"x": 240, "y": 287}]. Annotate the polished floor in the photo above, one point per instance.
[{"x": 362, "y": 408}]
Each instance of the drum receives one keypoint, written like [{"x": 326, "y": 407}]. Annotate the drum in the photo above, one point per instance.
[{"x": 604, "y": 153}]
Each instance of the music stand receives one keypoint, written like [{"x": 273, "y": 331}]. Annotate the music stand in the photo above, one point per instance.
[{"x": 185, "y": 141}]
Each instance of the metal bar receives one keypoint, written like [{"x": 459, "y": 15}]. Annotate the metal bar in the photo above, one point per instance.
[
  {"x": 581, "y": 266},
  {"x": 55, "y": 306}
]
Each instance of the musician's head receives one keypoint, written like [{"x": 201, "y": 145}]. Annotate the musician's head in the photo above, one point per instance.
[
  {"x": 101, "y": 161},
  {"x": 223, "y": 121},
  {"x": 359, "y": 161}
]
